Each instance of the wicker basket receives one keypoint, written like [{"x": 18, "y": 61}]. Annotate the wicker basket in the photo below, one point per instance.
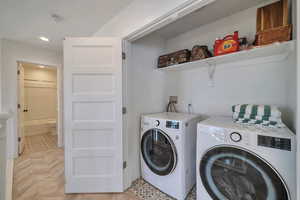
[
  {"x": 278, "y": 34},
  {"x": 273, "y": 24}
]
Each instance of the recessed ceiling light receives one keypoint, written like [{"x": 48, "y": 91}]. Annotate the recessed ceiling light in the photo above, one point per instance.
[{"x": 44, "y": 39}]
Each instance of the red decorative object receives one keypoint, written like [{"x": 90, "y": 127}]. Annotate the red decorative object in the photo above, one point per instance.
[{"x": 228, "y": 44}]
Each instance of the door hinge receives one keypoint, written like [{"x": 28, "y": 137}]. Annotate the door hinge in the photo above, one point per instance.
[
  {"x": 124, "y": 165},
  {"x": 124, "y": 110},
  {"x": 18, "y": 72},
  {"x": 123, "y": 56},
  {"x": 19, "y": 106},
  {"x": 19, "y": 139}
]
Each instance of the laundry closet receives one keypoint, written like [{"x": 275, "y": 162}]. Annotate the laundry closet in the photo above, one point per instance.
[
  {"x": 105, "y": 95},
  {"x": 264, "y": 75}
]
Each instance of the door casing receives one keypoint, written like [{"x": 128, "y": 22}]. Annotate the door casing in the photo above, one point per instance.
[{"x": 60, "y": 142}]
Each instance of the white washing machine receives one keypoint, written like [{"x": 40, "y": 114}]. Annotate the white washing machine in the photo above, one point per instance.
[
  {"x": 168, "y": 152},
  {"x": 242, "y": 162}
]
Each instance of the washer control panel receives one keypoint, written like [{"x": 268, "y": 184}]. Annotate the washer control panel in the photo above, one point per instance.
[
  {"x": 172, "y": 124},
  {"x": 274, "y": 142}
]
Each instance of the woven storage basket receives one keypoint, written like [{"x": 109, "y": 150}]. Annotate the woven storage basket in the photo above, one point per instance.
[
  {"x": 279, "y": 34},
  {"x": 272, "y": 23}
]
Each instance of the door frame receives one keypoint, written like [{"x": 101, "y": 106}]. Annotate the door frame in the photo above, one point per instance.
[
  {"x": 166, "y": 19},
  {"x": 127, "y": 179},
  {"x": 59, "y": 123},
  {"x": 20, "y": 113}
]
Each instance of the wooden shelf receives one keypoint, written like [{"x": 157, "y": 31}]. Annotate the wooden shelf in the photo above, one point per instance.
[{"x": 269, "y": 53}]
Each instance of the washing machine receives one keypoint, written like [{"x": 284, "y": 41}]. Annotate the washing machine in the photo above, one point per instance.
[
  {"x": 245, "y": 162},
  {"x": 168, "y": 152}
]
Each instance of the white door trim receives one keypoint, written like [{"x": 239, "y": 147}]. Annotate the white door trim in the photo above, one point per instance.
[
  {"x": 126, "y": 48},
  {"x": 59, "y": 124},
  {"x": 9, "y": 179},
  {"x": 21, "y": 103},
  {"x": 171, "y": 16}
]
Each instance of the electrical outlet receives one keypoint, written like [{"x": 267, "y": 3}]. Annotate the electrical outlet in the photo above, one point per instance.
[{"x": 173, "y": 99}]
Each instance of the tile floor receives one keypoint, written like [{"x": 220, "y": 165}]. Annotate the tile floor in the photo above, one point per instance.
[{"x": 144, "y": 190}]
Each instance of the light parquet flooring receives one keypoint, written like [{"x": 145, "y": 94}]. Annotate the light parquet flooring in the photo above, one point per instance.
[
  {"x": 39, "y": 174},
  {"x": 38, "y": 143}
]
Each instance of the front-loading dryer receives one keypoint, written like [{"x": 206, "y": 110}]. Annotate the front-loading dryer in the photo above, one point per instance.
[
  {"x": 245, "y": 162},
  {"x": 168, "y": 152}
]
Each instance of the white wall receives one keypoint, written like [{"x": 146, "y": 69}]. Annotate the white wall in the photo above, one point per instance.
[
  {"x": 259, "y": 84},
  {"x": 2, "y": 146},
  {"x": 1, "y": 60},
  {"x": 270, "y": 83},
  {"x": 291, "y": 108},
  {"x": 146, "y": 90},
  {"x": 13, "y": 52},
  {"x": 136, "y": 15},
  {"x": 297, "y": 27},
  {"x": 3, "y": 161}
]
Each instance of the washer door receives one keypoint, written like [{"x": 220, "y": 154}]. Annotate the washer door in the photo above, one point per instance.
[
  {"x": 158, "y": 152},
  {"x": 229, "y": 173}
]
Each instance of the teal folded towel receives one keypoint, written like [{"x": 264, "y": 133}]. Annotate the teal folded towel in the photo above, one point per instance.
[
  {"x": 257, "y": 114},
  {"x": 253, "y": 109}
]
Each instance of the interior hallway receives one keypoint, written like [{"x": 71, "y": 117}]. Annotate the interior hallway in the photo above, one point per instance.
[{"x": 39, "y": 173}]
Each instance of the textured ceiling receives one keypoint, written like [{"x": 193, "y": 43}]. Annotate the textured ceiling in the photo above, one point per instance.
[{"x": 26, "y": 20}]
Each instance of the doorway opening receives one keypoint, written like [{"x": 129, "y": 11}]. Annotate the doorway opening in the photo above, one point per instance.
[{"x": 38, "y": 108}]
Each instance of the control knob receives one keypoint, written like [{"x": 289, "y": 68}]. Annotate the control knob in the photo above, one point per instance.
[
  {"x": 157, "y": 123},
  {"x": 235, "y": 137}
]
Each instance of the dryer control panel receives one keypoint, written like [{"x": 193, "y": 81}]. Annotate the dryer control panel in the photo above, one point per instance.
[{"x": 274, "y": 142}]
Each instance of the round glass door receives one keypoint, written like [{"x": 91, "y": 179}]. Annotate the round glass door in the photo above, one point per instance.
[
  {"x": 229, "y": 173},
  {"x": 158, "y": 152}
]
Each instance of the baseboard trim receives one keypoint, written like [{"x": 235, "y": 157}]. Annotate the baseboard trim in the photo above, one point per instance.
[{"x": 9, "y": 179}]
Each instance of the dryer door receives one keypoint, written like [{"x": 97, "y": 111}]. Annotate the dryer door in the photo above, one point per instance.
[
  {"x": 159, "y": 152},
  {"x": 229, "y": 173}
]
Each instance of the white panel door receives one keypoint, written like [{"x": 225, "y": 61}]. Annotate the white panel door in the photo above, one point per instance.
[{"x": 93, "y": 115}]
